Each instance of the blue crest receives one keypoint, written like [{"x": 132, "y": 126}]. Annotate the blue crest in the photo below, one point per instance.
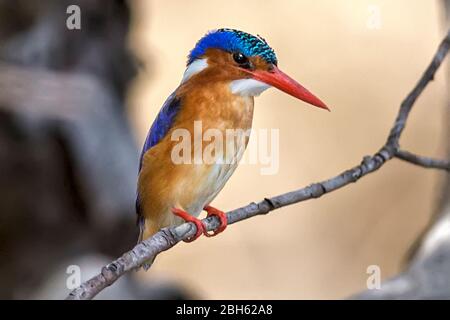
[{"x": 234, "y": 41}]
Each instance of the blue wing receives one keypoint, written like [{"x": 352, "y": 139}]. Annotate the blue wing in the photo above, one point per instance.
[
  {"x": 162, "y": 124},
  {"x": 158, "y": 130}
]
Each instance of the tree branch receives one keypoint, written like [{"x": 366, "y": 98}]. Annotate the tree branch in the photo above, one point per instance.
[
  {"x": 168, "y": 237},
  {"x": 422, "y": 161}
]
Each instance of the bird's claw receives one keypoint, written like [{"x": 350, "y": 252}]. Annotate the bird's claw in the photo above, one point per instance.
[
  {"x": 200, "y": 229},
  {"x": 188, "y": 218},
  {"x": 222, "y": 218},
  {"x": 200, "y": 226}
]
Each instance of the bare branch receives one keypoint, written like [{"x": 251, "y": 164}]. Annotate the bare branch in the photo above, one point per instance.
[
  {"x": 422, "y": 161},
  {"x": 407, "y": 104},
  {"x": 169, "y": 237}
]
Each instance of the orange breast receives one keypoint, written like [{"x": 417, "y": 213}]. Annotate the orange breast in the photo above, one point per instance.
[{"x": 164, "y": 184}]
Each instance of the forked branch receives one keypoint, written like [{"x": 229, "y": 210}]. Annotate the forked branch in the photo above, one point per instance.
[{"x": 169, "y": 237}]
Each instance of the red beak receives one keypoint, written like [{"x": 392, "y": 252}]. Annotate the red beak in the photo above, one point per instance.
[{"x": 282, "y": 81}]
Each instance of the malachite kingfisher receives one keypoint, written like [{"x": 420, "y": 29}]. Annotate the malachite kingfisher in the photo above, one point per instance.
[{"x": 225, "y": 71}]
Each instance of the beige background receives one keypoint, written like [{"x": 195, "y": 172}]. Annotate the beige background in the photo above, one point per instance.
[{"x": 320, "y": 248}]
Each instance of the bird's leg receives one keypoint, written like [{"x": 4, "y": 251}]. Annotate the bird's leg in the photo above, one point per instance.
[
  {"x": 188, "y": 218},
  {"x": 222, "y": 218}
]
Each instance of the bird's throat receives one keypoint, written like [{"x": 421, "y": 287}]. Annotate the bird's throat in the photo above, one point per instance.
[{"x": 248, "y": 87}]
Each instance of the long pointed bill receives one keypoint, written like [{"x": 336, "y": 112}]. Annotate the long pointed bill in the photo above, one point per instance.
[{"x": 282, "y": 81}]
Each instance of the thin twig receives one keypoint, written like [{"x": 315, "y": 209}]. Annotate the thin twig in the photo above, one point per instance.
[
  {"x": 422, "y": 161},
  {"x": 169, "y": 237}
]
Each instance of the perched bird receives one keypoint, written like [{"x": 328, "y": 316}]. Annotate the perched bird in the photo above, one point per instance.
[{"x": 226, "y": 69}]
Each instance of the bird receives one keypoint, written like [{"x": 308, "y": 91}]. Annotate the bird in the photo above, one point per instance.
[{"x": 225, "y": 70}]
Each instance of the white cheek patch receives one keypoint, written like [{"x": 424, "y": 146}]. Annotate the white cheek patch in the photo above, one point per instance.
[
  {"x": 248, "y": 87},
  {"x": 194, "y": 68}
]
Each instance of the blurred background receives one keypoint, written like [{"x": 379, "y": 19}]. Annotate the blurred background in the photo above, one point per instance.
[{"x": 75, "y": 107}]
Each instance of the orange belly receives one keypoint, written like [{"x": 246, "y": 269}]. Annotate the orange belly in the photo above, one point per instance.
[{"x": 164, "y": 184}]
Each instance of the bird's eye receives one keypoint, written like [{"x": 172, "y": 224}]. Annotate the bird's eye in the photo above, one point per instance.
[{"x": 241, "y": 59}]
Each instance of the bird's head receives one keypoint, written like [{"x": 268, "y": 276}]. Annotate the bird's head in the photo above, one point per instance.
[{"x": 247, "y": 62}]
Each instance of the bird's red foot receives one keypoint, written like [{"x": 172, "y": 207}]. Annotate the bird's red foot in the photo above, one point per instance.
[
  {"x": 222, "y": 217},
  {"x": 188, "y": 218}
]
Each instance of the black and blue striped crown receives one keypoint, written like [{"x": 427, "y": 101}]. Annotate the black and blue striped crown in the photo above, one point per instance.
[{"x": 232, "y": 40}]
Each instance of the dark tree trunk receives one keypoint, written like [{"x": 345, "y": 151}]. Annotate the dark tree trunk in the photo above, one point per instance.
[{"x": 68, "y": 161}]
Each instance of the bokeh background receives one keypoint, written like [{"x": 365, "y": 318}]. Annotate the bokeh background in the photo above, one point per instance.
[{"x": 360, "y": 57}]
